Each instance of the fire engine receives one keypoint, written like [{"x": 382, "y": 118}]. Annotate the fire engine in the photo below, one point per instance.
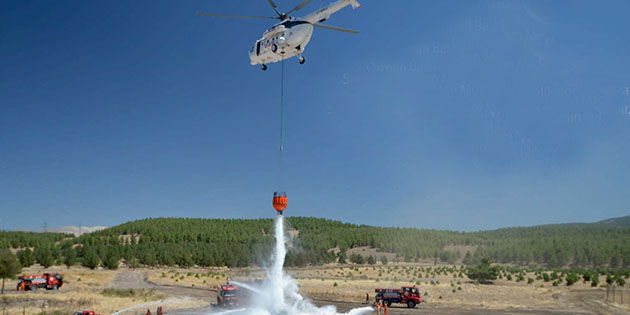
[
  {"x": 48, "y": 281},
  {"x": 85, "y": 313},
  {"x": 229, "y": 295},
  {"x": 404, "y": 295}
]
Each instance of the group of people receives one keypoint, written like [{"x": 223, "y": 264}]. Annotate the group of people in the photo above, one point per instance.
[
  {"x": 381, "y": 307},
  {"x": 160, "y": 311}
]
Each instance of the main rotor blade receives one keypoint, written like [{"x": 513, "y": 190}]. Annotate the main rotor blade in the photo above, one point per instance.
[
  {"x": 301, "y": 5},
  {"x": 334, "y": 28},
  {"x": 273, "y": 5},
  {"x": 237, "y": 16}
]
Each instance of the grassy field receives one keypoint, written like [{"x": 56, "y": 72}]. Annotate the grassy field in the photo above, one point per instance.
[
  {"x": 106, "y": 291},
  {"x": 86, "y": 289}
]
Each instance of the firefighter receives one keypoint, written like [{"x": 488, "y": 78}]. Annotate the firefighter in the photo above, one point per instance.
[
  {"x": 148, "y": 311},
  {"x": 385, "y": 304},
  {"x": 160, "y": 311},
  {"x": 378, "y": 305}
]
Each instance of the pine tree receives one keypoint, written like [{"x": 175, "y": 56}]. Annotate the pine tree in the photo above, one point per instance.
[
  {"x": 9, "y": 265},
  {"x": 26, "y": 257},
  {"x": 44, "y": 257},
  {"x": 384, "y": 260},
  {"x": 371, "y": 260},
  {"x": 69, "y": 257},
  {"x": 90, "y": 259}
]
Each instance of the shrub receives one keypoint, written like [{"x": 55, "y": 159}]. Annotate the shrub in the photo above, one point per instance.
[
  {"x": 572, "y": 278},
  {"x": 546, "y": 277},
  {"x": 384, "y": 260},
  {"x": 595, "y": 280},
  {"x": 483, "y": 272}
]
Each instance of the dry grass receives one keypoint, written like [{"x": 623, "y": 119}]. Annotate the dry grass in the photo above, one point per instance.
[{"x": 85, "y": 289}]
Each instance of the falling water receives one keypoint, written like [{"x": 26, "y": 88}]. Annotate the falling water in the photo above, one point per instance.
[{"x": 279, "y": 295}]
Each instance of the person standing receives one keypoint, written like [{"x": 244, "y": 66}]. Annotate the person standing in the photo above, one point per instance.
[{"x": 367, "y": 298}]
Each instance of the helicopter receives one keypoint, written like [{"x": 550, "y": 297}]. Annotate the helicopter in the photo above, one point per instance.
[{"x": 290, "y": 37}]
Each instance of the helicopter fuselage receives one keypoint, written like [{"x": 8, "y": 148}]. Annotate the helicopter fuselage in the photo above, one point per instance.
[{"x": 284, "y": 40}]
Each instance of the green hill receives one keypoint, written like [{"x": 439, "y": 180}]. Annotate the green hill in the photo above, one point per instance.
[
  {"x": 237, "y": 242},
  {"x": 616, "y": 222}
]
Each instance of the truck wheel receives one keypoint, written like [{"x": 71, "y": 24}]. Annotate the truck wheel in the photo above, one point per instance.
[
  {"x": 389, "y": 303},
  {"x": 411, "y": 304},
  {"x": 55, "y": 287},
  {"x": 33, "y": 288}
]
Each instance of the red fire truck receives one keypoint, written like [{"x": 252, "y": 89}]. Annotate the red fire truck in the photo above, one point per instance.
[
  {"x": 48, "y": 281},
  {"x": 83, "y": 312},
  {"x": 229, "y": 295},
  {"x": 405, "y": 295}
]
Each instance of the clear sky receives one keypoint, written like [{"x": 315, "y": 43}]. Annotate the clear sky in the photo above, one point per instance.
[{"x": 460, "y": 115}]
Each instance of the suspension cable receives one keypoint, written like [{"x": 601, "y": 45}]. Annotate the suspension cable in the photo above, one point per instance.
[{"x": 281, "y": 102}]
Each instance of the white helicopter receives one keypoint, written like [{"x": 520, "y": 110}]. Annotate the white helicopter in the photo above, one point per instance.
[{"x": 289, "y": 37}]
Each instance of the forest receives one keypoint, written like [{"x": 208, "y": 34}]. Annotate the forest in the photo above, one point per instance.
[{"x": 189, "y": 242}]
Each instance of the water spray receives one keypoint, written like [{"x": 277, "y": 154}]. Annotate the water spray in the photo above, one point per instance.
[{"x": 279, "y": 295}]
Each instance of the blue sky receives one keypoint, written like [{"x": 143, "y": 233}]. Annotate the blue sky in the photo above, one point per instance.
[{"x": 460, "y": 115}]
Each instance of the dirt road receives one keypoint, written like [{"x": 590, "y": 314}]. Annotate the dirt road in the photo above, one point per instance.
[
  {"x": 138, "y": 280},
  {"x": 421, "y": 309}
]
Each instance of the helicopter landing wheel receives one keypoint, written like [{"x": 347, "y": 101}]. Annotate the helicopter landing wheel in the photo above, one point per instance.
[
  {"x": 302, "y": 60},
  {"x": 263, "y": 67}
]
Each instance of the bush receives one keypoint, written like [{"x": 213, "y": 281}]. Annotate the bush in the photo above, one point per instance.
[
  {"x": 572, "y": 278},
  {"x": 609, "y": 279},
  {"x": 90, "y": 260},
  {"x": 595, "y": 280},
  {"x": 371, "y": 260},
  {"x": 546, "y": 277},
  {"x": 384, "y": 260},
  {"x": 620, "y": 281},
  {"x": 483, "y": 272},
  {"x": 26, "y": 257},
  {"x": 357, "y": 259}
]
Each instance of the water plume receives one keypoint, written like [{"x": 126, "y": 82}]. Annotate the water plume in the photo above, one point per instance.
[{"x": 279, "y": 295}]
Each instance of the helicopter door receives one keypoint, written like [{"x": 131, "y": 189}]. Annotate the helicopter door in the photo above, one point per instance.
[{"x": 257, "y": 48}]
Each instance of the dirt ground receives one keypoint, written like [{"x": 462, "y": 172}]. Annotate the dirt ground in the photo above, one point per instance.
[{"x": 193, "y": 291}]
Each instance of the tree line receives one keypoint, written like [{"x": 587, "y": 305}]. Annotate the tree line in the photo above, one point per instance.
[{"x": 238, "y": 242}]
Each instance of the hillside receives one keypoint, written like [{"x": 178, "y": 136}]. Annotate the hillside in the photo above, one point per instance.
[
  {"x": 616, "y": 222},
  {"x": 237, "y": 242}
]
